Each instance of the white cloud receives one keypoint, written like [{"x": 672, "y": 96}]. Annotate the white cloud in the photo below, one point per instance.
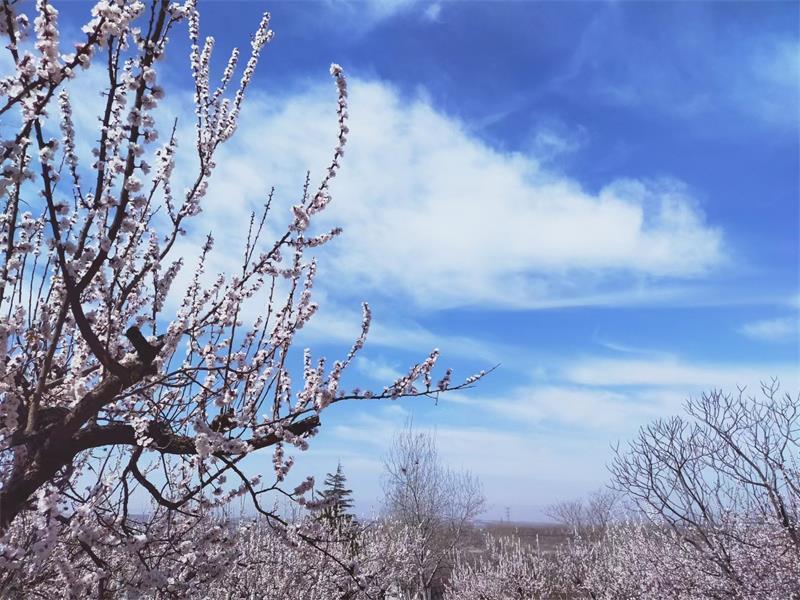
[
  {"x": 767, "y": 87},
  {"x": 387, "y": 8},
  {"x": 555, "y": 139},
  {"x": 579, "y": 407},
  {"x": 629, "y": 349},
  {"x": 378, "y": 369},
  {"x": 774, "y": 330},
  {"x": 368, "y": 13},
  {"x": 434, "y": 214},
  {"x": 691, "y": 377},
  {"x": 433, "y": 12}
]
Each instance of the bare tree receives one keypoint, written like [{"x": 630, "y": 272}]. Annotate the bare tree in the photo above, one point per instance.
[
  {"x": 726, "y": 481},
  {"x": 589, "y": 516},
  {"x": 437, "y": 502}
]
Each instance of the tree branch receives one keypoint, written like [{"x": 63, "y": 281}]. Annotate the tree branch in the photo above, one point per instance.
[{"x": 167, "y": 442}]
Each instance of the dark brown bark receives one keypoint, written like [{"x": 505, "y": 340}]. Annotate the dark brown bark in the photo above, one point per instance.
[{"x": 47, "y": 451}]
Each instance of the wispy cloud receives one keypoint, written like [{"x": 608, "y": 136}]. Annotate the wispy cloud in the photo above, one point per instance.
[
  {"x": 755, "y": 75},
  {"x": 575, "y": 407},
  {"x": 774, "y": 330},
  {"x": 629, "y": 349},
  {"x": 335, "y": 323},
  {"x": 363, "y": 15},
  {"x": 378, "y": 369},
  {"x": 689, "y": 376},
  {"x": 433, "y": 12},
  {"x": 553, "y": 140}
]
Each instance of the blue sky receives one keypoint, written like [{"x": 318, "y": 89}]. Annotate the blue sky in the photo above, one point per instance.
[{"x": 602, "y": 198}]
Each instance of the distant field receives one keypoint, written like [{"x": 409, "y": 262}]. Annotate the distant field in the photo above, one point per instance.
[{"x": 546, "y": 535}]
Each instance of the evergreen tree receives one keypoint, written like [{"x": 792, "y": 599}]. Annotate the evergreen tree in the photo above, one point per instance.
[{"x": 338, "y": 498}]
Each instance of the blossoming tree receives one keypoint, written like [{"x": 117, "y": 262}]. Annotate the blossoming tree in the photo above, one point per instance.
[
  {"x": 106, "y": 391},
  {"x": 369, "y": 562}
]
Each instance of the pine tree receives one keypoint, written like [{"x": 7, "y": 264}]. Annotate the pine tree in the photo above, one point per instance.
[{"x": 338, "y": 498}]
